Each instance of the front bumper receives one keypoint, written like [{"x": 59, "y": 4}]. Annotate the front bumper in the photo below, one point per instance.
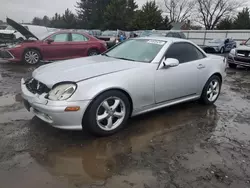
[
  {"x": 53, "y": 112},
  {"x": 12, "y": 55},
  {"x": 238, "y": 60}
]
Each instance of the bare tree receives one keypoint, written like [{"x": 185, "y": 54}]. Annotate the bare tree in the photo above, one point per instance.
[
  {"x": 212, "y": 11},
  {"x": 179, "y": 10}
]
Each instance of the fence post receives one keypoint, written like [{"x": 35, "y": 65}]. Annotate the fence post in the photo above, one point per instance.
[
  {"x": 204, "y": 39},
  {"x": 226, "y": 34},
  {"x": 188, "y": 35}
]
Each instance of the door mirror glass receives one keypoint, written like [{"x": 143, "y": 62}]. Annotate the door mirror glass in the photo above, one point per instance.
[
  {"x": 170, "y": 62},
  {"x": 49, "y": 41}
]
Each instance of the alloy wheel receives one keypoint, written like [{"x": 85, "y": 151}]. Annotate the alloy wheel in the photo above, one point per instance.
[
  {"x": 31, "y": 57},
  {"x": 110, "y": 113},
  {"x": 213, "y": 90}
]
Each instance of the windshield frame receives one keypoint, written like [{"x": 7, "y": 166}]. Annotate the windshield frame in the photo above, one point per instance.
[
  {"x": 143, "y": 38},
  {"x": 246, "y": 43}
]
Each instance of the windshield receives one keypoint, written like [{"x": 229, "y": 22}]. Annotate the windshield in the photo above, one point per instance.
[
  {"x": 109, "y": 33},
  {"x": 142, "y": 50},
  {"x": 45, "y": 36},
  {"x": 216, "y": 41},
  {"x": 9, "y": 28},
  {"x": 146, "y": 33}
]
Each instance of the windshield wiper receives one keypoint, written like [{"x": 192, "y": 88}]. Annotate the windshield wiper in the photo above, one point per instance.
[
  {"x": 124, "y": 58},
  {"x": 106, "y": 55}
]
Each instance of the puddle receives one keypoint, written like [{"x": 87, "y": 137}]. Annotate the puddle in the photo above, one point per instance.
[{"x": 95, "y": 161}]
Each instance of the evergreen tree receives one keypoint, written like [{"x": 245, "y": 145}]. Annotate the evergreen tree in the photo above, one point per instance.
[{"x": 242, "y": 20}]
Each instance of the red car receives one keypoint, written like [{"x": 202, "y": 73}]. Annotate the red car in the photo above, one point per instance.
[{"x": 57, "y": 46}]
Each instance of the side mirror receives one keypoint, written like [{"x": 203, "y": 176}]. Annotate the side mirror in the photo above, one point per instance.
[
  {"x": 49, "y": 41},
  {"x": 170, "y": 62},
  {"x": 15, "y": 31}
]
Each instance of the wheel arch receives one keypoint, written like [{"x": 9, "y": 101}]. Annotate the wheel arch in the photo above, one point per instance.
[
  {"x": 217, "y": 74},
  {"x": 111, "y": 89}
]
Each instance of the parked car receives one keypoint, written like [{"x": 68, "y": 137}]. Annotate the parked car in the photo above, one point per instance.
[
  {"x": 110, "y": 37},
  {"x": 140, "y": 75},
  {"x": 240, "y": 55},
  {"x": 176, "y": 34},
  {"x": 220, "y": 45},
  {"x": 171, "y": 33},
  {"x": 57, "y": 46},
  {"x": 12, "y": 32}
]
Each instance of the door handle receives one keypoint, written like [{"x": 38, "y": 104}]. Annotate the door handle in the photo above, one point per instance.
[{"x": 200, "y": 66}]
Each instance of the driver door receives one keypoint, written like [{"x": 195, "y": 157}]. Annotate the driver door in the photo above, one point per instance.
[
  {"x": 178, "y": 82},
  {"x": 58, "y": 49}
]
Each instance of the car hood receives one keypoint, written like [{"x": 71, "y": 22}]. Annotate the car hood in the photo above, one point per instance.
[
  {"x": 80, "y": 69},
  {"x": 243, "y": 47},
  {"x": 212, "y": 44},
  {"x": 18, "y": 27}
]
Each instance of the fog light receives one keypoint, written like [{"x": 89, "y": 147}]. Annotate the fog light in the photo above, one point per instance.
[{"x": 72, "y": 108}]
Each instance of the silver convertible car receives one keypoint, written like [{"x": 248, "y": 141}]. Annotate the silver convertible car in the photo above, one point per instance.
[{"x": 137, "y": 76}]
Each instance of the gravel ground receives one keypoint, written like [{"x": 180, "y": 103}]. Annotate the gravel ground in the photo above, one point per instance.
[{"x": 188, "y": 145}]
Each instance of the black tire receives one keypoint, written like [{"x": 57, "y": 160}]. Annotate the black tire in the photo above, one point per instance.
[
  {"x": 93, "y": 52},
  {"x": 204, "y": 96},
  {"x": 232, "y": 66},
  {"x": 222, "y": 50},
  {"x": 90, "y": 118},
  {"x": 31, "y": 61}
]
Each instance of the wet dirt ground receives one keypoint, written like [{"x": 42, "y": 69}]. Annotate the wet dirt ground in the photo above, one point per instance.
[{"x": 188, "y": 145}]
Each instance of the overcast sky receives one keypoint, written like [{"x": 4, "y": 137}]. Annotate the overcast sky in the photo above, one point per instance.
[{"x": 26, "y": 10}]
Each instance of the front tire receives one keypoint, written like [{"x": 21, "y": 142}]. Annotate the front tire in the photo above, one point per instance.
[
  {"x": 107, "y": 114},
  {"x": 31, "y": 57},
  {"x": 211, "y": 90}
]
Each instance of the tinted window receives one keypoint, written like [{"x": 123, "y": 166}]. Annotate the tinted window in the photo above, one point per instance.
[
  {"x": 184, "y": 52},
  {"x": 60, "y": 37},
  {"x": 78, "y": 37}
]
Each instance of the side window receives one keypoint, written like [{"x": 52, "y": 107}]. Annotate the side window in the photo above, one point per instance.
[
  {"x": 63, "y": 37},
  {"x": 184, "y": 52},
  {"x": 78, "y": 37}
]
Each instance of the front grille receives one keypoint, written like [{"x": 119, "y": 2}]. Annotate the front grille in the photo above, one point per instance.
[
  {"x": 240, "y": 59},
  {"x": 5, "y": 54},
  {"x": 243, "y": 53},
  {"x": 36, "y": 87}
]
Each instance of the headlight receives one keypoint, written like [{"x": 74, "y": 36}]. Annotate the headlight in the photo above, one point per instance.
[
  {"x": 117, "y": 41},
  {"x": 14, "y": 46},
  {"x": 62, "y": 92},
  {"x": 233, "y": 52}
]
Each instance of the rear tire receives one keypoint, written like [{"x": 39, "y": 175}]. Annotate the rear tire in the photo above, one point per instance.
[
  {"x": 211, "y": 90},
  {"x": 31, "y": 57},
  {"x": 233, "y": 66},
  {"x": 107, "y": 114},
  {"x": 93, "y": 52}
]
